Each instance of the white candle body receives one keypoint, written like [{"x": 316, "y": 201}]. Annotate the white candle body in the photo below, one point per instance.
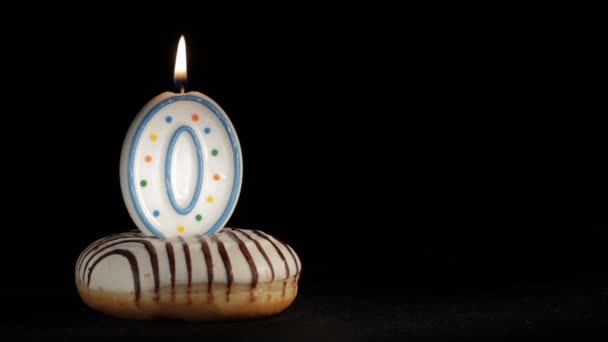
[{"x": 181, "y": 166}]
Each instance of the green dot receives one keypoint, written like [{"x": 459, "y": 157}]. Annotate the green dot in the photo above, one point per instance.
[
  {"x": 214, "y": 152},
  {"x": 199, "y": 217},
  {"x": 143, "y": 183}
]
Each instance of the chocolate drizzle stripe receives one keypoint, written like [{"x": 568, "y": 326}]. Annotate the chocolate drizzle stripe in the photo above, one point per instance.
[
  {"x": 208, "y": 264},
  {"x": 151, "y": 253},
  {"x": 267, "y": 238},
  {"x": 293, "y": 256},
  {"x": 171, "y": 258},
  {"x": 110, "y": 238},
  {"x": 96, "y": 245},
  {"x": 252, "y": 267},
  {"x": 226, "y": 260},
  {"x": 88, "y": 248},
  {"x": 296, "y": 260},
  {"x": 262, "y": 251},
  {"x": 132, "y": 262},
  {"x": 188, "y": 266}
]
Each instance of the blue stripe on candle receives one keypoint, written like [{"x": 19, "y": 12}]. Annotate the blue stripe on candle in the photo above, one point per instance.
[
  {"x": 221, "y": 221},
  {"x": 199, "y": 171}
]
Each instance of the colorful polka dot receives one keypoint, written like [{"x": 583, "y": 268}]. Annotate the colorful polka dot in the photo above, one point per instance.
[
  {"x": 214, "y": 152},
  {"x": 216, "y": 177},
  {"x": 195, "y": 117},
  {"x": 207, "y": 130},
  {"x": 210, "y": 199},
  {"x": 153, "y": 137},
  {"x": 143, "y": 183},
  {"x": 155, "y": 213},
  {"x": 181, "y": 228},
  {"x": 148, "y": 159},
  {"x": 168, "y": 119},
  {"x": 199, "y": 217}
]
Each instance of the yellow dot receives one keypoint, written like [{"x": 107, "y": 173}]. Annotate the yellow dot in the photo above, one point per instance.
[
  {"x": 210, "y": 199},
  {"x": 180, "y": 228},
  {"x": 153, "y": 137}
]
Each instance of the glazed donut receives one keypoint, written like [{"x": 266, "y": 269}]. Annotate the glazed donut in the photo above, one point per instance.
[{"x": 228, "y": 275}]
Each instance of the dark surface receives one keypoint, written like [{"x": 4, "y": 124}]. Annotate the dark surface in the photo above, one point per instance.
[
  {"x": 456, "y": 146},
  {"x": 364, "y": 316}
]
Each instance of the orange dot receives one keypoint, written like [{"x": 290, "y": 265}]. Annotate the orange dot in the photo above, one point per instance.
[
  {"x": 210, "y": 199},
  {"x": 153, "y": 137},
  {"x": 195, "y": 117},
  {"x": 216, "y": 177},
  {"x": 180, "y": 228},
  {"x": 148, "y": 159}
]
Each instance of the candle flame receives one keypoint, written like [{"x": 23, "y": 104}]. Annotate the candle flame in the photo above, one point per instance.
[{"x": 181, "y": 68}]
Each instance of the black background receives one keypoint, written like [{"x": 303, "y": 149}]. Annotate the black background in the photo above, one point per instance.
[{"x": 456, "y": 147}]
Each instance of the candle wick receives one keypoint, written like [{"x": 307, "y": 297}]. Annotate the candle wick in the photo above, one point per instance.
[{"x": 182, "y": 88}]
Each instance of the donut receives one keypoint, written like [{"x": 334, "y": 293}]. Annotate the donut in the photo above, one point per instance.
[{"x": 228, "y": 275}]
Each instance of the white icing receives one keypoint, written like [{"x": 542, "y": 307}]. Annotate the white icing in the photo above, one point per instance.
[{"x": 113, "y": 272}]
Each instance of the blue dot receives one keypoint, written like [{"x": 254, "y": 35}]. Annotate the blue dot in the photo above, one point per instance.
[
  {"x": 168, "y": 119},
  {"x": 207, "y": 130},
  {"x": 156, "y": 213}
]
